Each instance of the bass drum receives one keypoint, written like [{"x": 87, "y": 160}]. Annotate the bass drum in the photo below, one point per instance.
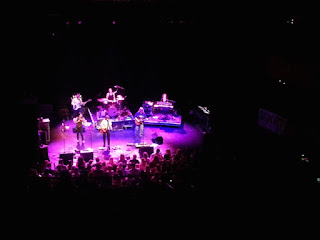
[{"x": 112, "y": 111}]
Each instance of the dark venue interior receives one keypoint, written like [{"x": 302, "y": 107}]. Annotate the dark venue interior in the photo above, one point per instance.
[{"x": 257, "y": 72}]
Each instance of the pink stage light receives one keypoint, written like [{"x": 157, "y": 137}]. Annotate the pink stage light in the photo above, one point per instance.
[
  {"x": 114, "y": 22},
  {"x": 79, "y": 22}
]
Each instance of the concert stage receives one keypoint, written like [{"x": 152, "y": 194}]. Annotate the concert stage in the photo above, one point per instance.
[{"x": 123, "y": 141}]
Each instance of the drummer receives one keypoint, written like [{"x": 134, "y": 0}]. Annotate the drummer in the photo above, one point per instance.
[{"x": 111, "y": 97}]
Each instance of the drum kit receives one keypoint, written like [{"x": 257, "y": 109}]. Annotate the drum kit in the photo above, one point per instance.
[{"x": 112, "y": 108}]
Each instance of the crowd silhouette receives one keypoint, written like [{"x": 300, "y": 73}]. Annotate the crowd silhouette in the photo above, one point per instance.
[{"x": 115, "y": 179}]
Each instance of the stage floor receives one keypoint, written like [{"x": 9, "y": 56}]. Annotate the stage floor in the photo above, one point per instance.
[{"x": 122, "y": 141}]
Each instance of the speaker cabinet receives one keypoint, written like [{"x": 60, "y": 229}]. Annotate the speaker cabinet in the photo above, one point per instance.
[
  {"x": 86, "y": 155},
  {"x": 43, "y": 153},
  {"x": 43, "y": 137},
  {"x": 44, "y": 126},
  {"x": 148, "y": 149},
  {"x": 158, "y": 140},
  {"x": 66, "y": 157}
]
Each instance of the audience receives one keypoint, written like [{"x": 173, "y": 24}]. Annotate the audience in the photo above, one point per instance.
[
  {"x": 133, "y": 170},
  {"x": 122, "y": 159},
  {"x": 143, "y": 164},
  {"x": 167, "y": 155},
  {"x": 121, "y": 173},
  {"x": 157, "y": 153},
  {"x": 175, "y": 170},
  {"x": 134, "y": 159},
  {"x": 155, "y": 161}
]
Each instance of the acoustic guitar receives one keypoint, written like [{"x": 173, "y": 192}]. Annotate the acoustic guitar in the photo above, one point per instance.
[{"x": 138, "y": 121}]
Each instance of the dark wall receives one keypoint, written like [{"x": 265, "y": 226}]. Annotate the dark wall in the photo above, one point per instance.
[{"x": 147, "y": 55}]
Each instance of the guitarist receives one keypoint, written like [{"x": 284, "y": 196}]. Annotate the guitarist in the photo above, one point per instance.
[
  {"x": 139, "y": 121},
  {"x": 105, "y": 128},
  {"x": 77, "y": 104}
]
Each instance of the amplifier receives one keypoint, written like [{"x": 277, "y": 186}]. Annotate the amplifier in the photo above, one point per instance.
[
  {"x": 43, "y": 152},
  {"x": 147, "y": 149},
  {"x": 44, "y": 126},
  {"x": 43, "y": 140}
]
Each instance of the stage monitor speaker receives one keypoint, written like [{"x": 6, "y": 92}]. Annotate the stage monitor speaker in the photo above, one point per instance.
[
  {"x": 158, "y": 140},
  {"x": 66, "y": 157},
  {"x": 147, "y": 149},
  {"x": 87, "y": 156}
]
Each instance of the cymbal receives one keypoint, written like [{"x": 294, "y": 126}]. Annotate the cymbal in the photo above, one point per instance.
[
  {"x": 119, "y": 97},
  {"x": 102, "y": 100}
]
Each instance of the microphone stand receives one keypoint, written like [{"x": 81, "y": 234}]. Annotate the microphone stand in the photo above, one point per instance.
[
  {"x": 63, "y": 130},
  {"x": 91, "y": 136},
  {"x": 143, "y": 135}
]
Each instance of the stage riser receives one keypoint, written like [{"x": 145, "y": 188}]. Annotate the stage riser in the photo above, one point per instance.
[{"x": 162, "y": 124}]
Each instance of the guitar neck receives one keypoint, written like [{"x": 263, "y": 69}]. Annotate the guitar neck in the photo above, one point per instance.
[
  {"x": 79, "y": 105},
  {"x": 86, "y": 102}
]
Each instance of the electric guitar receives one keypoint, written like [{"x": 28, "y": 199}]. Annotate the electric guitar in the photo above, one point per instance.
[
  {"x": 138, "y": 121},
  {"x": 77, "y": 106},
  {"x": 103, "y": 130}
]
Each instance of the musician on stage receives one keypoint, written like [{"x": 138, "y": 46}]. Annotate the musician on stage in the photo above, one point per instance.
[
  {"x": 164, "y": 98},
  {"x": 139, "y": 118},
  {"x": 79, "y": 121},
  {"x": 111, "y": 97},
  {"x": 105, "y": 128},
  {"x": 76, "y": 103}
]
